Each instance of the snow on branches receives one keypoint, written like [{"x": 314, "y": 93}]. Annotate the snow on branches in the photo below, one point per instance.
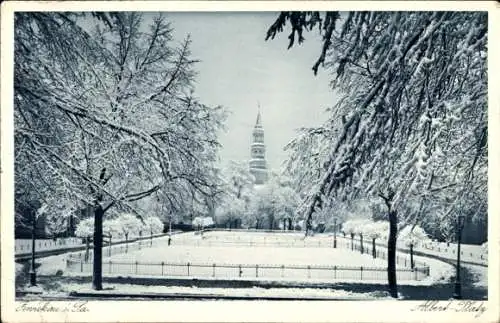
[
  {"x": 412, "y": 114},
  {"x": 106, "y": 116}
]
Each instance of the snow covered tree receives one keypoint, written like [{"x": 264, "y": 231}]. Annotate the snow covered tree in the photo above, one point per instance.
[
  {"x": 85, "y": 228},
  {"x": 236, "y": 192},
  {"x": 238, "y": 179},
  {"x": 127, "y": 225},
  {"x": 274, "y": 203},
  {"x": 411, "y": 119},
  {"x": 153, "y": 224},
  {"x": 230, "y": 211},
  {"x": 107, "y": 116}
]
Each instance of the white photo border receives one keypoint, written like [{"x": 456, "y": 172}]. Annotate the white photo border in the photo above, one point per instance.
[{"x": 243, "y": 311}]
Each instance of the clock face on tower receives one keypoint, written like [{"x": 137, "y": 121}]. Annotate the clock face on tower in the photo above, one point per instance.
[{"x": 258, "y": 153}]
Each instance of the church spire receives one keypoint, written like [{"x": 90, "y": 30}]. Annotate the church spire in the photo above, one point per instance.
[
  {"x": 258, "y": 165},
  {"x": 258, "y": 123}
]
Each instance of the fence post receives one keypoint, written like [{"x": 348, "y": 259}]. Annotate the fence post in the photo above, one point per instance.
[
  {"x": 282, "y": 271},
  {"x": 81, "y": 265},
  {"x": 308, "y": 271},
  {"x": 334, "y": 272},
  {"x": 239, "y": 271},
  {"x": 256, "y": 270},
  {"x": 136, "y": 265},
  {"x": 162, "y": 264},
  {"x": 110, "y": 266},
  {"x": 213, "y": 270},
  {"x": 188, "y": 268},
  {"x": 416, "y": 273},
  {"x": 361, "y": 272}
]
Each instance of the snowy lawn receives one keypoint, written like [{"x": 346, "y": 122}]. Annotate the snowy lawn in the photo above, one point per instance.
[
  {"x": 235, "y": 255},
  {"x": 252, "y": 292},
  {"x": 251, "y": 255},
  {"x": 229, "y": 250},
  {"x": 480, "y": 275}
]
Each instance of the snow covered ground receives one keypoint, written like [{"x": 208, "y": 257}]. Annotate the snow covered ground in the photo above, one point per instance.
[
  {"x": 185, "y": 249},
  {"x": 252, "y": 292},
  {"x": 288, "y": 263},
  {"x": 480, "y": 275}
]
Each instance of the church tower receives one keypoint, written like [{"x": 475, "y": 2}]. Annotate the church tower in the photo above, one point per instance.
[{"x": 258, "y": 166}]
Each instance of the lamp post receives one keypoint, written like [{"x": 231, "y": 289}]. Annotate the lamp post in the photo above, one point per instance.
[
  {"x": 457, "y": 294},
  {"x": 169, "y": 229},
  {"x": 33, "y": 241},
  {"x": 110, "y": 245},
  {"x": 412, "y": 263},
  {"x": 335, "y": 233},
  {"x": 140, "y": 237}
]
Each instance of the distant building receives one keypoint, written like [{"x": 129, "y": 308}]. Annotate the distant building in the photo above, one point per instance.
[{"x": 258, "y": 167}]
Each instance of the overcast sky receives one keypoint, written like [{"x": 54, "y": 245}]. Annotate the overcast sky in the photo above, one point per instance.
[{"x": 238, "y": 69}]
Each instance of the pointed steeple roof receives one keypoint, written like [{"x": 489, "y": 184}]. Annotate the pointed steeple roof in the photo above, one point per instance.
[{"x": 258, "y": 122}]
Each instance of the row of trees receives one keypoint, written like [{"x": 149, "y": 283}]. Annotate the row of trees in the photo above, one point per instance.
[
  {"x": 121, "y": 227},
  {"x": 268, "y": 206},
  {"x": 410, "y": 124},
  {"x": 106, "y": 120}
]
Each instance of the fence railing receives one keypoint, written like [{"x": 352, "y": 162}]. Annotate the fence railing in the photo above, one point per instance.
[
  {"x": 121, "y": 246},
  {"x": 345, "y": 243},
  {"x": 245, "y": 271},
  {"x": 24, "y": 245},
  {"x": 480, "y": 255}
]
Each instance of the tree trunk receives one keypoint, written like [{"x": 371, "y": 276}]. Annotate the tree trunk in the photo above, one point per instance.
[
  {"x": 361, "y": 239},
  {"x": 352, "y": 241},
  {"x": 126, "y": 242},
  {"x": 391, "y": 253},
  {"x": 97, "y": 266}
]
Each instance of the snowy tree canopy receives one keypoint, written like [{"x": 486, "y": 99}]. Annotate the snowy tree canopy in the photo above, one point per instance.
[
  {"x": 203, "y": 221},
  {"x": 274, "y": 201},
  {"x": 105, "y": 116},
  {"x": 128, "y": 225},
  {"x": 85, "y": 228},
  {"x": 153, "y": 224},
  {"x": 410, "y": 123}
]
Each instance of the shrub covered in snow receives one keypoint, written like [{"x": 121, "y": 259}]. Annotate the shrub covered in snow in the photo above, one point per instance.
[
  {"x": 127, "y": 225},
  {"x": 413, "y": 235},
  {"x": 377, "y": 229},
  {"x": 85, "y": 228},
  {"x": 153, "y": 224},
  {"x": 484, "y": 247},
  {"x": 380, "y": 230},
  {"x": 356, "y": 226},
  {"x": 203, "y": 221}
]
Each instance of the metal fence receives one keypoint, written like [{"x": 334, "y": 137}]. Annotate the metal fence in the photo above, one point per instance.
[
  {"x": 295, "y": 242},
  {"x": 24, "y": 245},
  {"x": 246, "y": 271},
  {"x": 121, "y": 246},
  {"x": 452, "y": 249}
]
